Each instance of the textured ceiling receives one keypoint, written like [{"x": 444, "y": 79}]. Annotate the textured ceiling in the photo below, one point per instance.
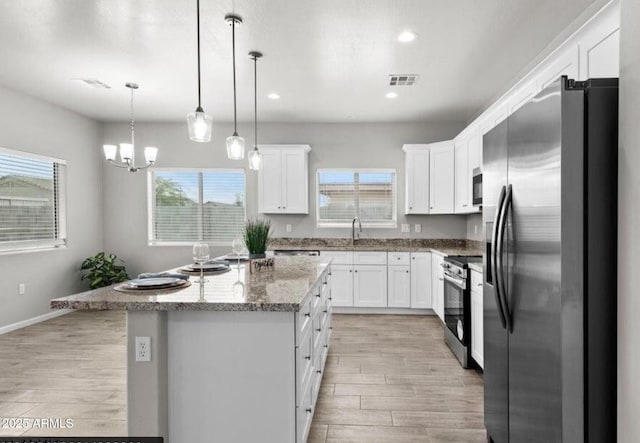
[{"x": 328, "y": 60}]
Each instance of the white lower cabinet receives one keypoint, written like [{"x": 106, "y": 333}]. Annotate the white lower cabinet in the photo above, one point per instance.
[
  {"x": 370, "y": 286},
  {"x": 399, "y": 287},
  {"x": 342, "y": 291},
  {"x": 420, "y": 280},
  {"x": 312, "y": 346},
  {"x": 477, "y": 320},
  {"x": 437, "y": 285}
]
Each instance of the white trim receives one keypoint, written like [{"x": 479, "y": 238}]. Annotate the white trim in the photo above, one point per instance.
[
  {"x": 51, "y": 246},
  {"x": 32, "y": 321},
  {"x": 30, "y": 155},
  {"x": 188, "y": 243},
  {"x": 382, "y": 311},
  {"x": 306, "y": 148}
]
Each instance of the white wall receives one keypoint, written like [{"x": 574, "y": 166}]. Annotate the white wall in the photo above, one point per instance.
[
  {"x": 629, "y": 227},
  {"x": 31, "y": 125},
  {"x": 333, "y": 145}
]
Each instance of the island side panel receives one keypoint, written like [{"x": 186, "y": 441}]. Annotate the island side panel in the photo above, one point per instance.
[
  {"x": 147, "y": 392},
  {"x": 231, "y": 376}
]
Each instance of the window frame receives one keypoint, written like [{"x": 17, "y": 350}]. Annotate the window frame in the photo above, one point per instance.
[
  {"x": 151, "y": 204},
  {"x": 60, "y": 208},
  {"x": 391, "y": 224}
]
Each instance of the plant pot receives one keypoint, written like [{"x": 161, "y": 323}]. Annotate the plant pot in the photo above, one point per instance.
[{"x": 254, "y": 256}]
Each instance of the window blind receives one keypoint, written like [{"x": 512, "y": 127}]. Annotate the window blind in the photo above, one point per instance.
[
  {"x": 32, "y": 201},
  {"x": 193, "y": 206},
  {"x": 369, "y": 195}
]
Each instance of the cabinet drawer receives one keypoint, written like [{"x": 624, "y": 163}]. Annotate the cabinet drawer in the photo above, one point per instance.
[
  {"x": 305, "y": 360},
  {"x": 305, "y": 318},
  {"x": 370, "y": 258},
  {"x": 305, "y": 413},
  {"x": 339, "y": 257},
  {"x": 399, "y": 258},
  {"x": 476, "y": 281}
]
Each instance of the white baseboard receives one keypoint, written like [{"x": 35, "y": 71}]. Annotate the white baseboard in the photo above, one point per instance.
[
  {"x": 382, "y": 311},
  {"x": 34, "y": 320}
]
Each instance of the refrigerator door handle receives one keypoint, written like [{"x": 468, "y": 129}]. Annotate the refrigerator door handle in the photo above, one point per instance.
[
  {"x": 502, "y": 292},
  {"x": 493, "y": 258}
]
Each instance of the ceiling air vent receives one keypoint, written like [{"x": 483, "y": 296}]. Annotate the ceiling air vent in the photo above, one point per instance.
[
  {"x": 403, "y": 79},
  {"x": 94, "y": 83}
]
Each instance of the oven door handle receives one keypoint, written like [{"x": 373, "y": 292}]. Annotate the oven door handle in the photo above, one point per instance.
[{"x": 460, "y": 283}]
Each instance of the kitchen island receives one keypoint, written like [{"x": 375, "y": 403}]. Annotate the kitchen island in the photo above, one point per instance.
[{"x": 238, "y": 358}]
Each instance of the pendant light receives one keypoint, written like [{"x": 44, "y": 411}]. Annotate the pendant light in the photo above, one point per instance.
[
  {"x": 235, "y": 143},
  {"x": 255, "y": 158},
  {"x": 199, "y": 123},
  {"x": 128, "y": 150}
]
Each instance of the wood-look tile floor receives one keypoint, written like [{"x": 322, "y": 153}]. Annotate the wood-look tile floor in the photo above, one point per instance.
[
  {"x": 388, "y": 379},
  {"x": 393, "y": 379},
  {"x": 72, "y": 366}
]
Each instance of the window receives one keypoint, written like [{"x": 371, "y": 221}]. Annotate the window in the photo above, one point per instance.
[
  {"x": 369, "y": 194},
  {"x": 32, "y": 201},
  {"x": 196, "y": 205}
]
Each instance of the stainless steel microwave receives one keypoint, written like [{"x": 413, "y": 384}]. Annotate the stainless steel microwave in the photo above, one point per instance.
[{"x": 477, "y": 186}]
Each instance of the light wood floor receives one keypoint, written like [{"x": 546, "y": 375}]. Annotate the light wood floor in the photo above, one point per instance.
[{"x": 388, "y": 379}]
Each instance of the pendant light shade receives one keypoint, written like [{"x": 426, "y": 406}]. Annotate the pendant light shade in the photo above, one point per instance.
[
  {"x": 255, "y": 158},
  {"x": 199, "y": 123},
  {"x": 235, "y": 143}
]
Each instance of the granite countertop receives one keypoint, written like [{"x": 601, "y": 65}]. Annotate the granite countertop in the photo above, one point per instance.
[
  {"x": 438, "y": 246},
  {"x": 476, "y": 267},
  {"x": 283, "y": 289}
]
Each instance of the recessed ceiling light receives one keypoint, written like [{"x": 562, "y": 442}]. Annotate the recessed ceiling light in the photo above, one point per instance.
[
  {"x": 273, "y": 96},
  {"x": 407, "y": 36},
  {"x": 391, "y": 95}
]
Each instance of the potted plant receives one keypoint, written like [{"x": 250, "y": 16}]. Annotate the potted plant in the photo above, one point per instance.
[
  {"x": 103, "y": 270},
  {"x": 257, "y": 234}
]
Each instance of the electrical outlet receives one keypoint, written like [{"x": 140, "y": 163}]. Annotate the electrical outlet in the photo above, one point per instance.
[
  {"x": 405, "y": 228},
  {"x": 289, "y": 227},
  {"x": 143, "y": 348},
  {"x": 22, "y": 289},
  {"x": 417, "y": 227}
]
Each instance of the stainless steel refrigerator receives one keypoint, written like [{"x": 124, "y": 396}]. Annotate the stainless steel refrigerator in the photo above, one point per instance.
[{"x": 550, "y": 216}]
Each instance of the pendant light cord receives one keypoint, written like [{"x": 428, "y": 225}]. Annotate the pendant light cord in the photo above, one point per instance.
[
  {"x": 233, "y": 50},
  {"x": 255, "y": 101},
  {"x": 133, "y": 141},
  {"x": 198, "y": 27}
]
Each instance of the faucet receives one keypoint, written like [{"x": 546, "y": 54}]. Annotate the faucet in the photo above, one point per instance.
[{"x": 353, "y": 229}]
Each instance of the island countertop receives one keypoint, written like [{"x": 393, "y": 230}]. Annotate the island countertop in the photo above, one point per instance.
[{"x": 283, "y": 289}]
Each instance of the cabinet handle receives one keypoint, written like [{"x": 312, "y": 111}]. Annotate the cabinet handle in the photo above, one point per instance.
[
  {"x": 278, "y": 207},
  {"x": 440, "y": 278},
  {"x": 410, "y": 207},
  {"x": 308, "y": 410},
  {"x": 330, "y": 298},
  {"x": 308, "y": 314},
  {"x": 479, "y": 284},
  {"x": 319, "y": 371},
  {"x": 319, "y": 329},
  {"x": 413, "y": 258},
  {"x": 326, "y": 346},
  {"x": 284, "y": 207},
  {"x": 430, "y": 207},
  {"x": 318, "y": 295},
  {"x": 308, "y": 357},
  {"x": 325, "y": 311},
  {"x": 324, "y": 283},
  {"x": 350, "y": 270},
  {"x": 406, "y": 272},
  {"x": 329, "y": 274},
  {"x": 331, "y": 328},
  {"x": 355, "y": 270}
]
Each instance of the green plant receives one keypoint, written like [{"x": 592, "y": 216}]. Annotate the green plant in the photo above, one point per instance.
[
  {"x": 257, "y": 234},
  {"x": 103, "y": 270}
]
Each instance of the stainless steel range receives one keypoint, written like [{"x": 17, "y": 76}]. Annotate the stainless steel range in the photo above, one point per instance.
[{"x": 457, "y": 307}]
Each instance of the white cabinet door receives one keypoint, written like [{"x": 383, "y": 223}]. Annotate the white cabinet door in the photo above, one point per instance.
[
  {"x": 416, "y": 179},
  {"x": 270, "y": 182},
  {"x": 421, "y": 280},
  {"x": 477, "y": 327},
  {"x": 399, "y": 288},
  {"x": 342, "y": 285},
  {"x": 463, "y": 200},
  {"x": 370, "y": 286},
  {"x": 441, "y": 178},
  {"x": 295, "y": 196},
  {"x": 437, "y": 281}
]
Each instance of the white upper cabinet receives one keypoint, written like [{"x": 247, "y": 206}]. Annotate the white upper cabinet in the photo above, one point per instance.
[
  {"x": 462, "y": 188},
  {"x": 566, "y": 63},
  {"x": 283, "y": 180},
  {"x": 441, "y": 178},
  {"x": 416, "y": 179},
  {"x": 600, "y": 48}
]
